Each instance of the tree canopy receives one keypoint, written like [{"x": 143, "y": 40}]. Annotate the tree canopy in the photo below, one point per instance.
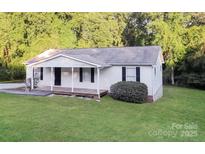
[{"x": 181, "y": 36}]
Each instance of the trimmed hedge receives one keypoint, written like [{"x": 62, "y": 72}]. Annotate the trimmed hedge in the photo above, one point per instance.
[{"x": 129, "y": 91}]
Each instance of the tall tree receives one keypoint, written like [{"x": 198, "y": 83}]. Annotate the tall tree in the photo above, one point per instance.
[
  {"x": 98, "y": 29},
  {"x": 11, "y": 36},
  {"x": 136, "y": 32},
  {"x": 168, "y": 30}
]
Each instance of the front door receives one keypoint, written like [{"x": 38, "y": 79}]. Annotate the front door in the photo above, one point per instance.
[{"x": 57, "y": 76}]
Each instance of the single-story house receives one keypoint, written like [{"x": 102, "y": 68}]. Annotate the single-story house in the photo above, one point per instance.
[{"x": 96, "y": 69}]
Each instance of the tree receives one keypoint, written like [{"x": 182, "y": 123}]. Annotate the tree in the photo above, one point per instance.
[
  {"x": 98, "y": 29},
  {"x": 197, "y": 19},
  {"x": 24, "y": 35},
  {"x": 191, "y": 70},
  {"x": 47, "y": 30},
  {"x": 168, "y": 30},
  {"x": 11, "y": 37},
  {"x": 136, "y": 31}
]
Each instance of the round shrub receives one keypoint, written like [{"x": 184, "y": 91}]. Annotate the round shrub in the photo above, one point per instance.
[{"x": 129, "y": 91}]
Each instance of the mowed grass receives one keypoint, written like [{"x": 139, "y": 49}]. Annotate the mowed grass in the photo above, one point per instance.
[{"x": 32, "y": 118}]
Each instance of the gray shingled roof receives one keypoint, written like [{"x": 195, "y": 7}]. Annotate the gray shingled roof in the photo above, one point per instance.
[{"x": 146, "y": 55}]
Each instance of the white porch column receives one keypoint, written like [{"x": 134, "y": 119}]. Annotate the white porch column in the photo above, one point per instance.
[
  {"x": 52, "y": 79},
  {"x": 72, "y": 82},
  {"x": 98, "y": 82},
  {"x": 32, "y": 78}
]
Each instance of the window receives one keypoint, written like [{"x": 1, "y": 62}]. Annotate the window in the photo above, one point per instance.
[
  {"x": 130, "y": 74},
  {"x": 86, "y": 74},
  {"x": 41, "y": 73}
]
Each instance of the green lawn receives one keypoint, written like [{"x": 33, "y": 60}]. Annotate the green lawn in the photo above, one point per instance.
[{"x": 32, "y": 118}]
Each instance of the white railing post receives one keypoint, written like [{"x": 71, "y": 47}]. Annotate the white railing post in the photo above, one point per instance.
[
  {"x": 32, "y": 78},
  {"x": 72, "y": 90},
  {"x": 52, "y": 79},
  {"x": 98, "y": 82}
]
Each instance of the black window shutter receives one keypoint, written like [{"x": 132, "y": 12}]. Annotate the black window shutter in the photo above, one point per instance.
[
  {"x": 92, "y": 74},
  {"x": 41, "y": 74},
  {"x": 123, "y": 73},
  {"x": 81, "y": 74},
  {"x": 138, "y": 74}
]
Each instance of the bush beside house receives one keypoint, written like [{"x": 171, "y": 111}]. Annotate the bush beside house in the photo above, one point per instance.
[
  {"x": 12, "y": 73},
  {"x": 129, "y": 91}
]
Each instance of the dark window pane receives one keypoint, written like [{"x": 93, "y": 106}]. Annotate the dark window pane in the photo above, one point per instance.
[
  {"x": 138, "y": 74},
  {"x": 123, "y": 73},
  {"x": 81, "y": 74},
  {"x": 92, "y": 75},
  {"x": 41, "y": 74}
]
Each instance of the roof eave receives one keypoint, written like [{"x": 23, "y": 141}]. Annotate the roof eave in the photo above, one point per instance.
[{"x": 132, "y": 64}]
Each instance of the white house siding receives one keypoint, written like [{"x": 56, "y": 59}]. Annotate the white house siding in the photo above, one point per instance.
[
  {"x": 29, "y": 72},
  {"x": 66, "y": 78},
  {"x": 146, "y": 77},
  {"x": 62, "y": 62},
  {"x": 86, "y": 79},
  {"x": 157, "y": 80},
  {"x": 46, "y": 77},
  {"x": 108, "y": 76},
  {"x": 111, "y": 75}
]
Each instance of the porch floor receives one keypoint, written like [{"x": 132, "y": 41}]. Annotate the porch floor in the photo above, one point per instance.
[{"x": 76, "y": 91}]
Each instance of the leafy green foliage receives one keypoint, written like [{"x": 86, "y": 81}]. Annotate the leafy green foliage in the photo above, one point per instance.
[
  {"x": 181, "y": 36},
  {"x": 168, "y": 30},
  {"x": 24, "y": 35},
  {"x": 136, "y": 31},
  {"x": 98, "y": 29},
  {"x": 191, "y": 72},
  {"x": 177, "y": 33}
]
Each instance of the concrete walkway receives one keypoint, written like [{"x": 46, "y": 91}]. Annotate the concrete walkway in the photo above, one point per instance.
[
  {"x": 23, "y": 92},
  {"x": 11, "y": 85},
  {"x": 19, "y": 89}
]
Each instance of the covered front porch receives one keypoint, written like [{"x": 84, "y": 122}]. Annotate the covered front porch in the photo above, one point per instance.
[
  {"x": 67, "y": 76},
  {"x": 77, "y": 81}
]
